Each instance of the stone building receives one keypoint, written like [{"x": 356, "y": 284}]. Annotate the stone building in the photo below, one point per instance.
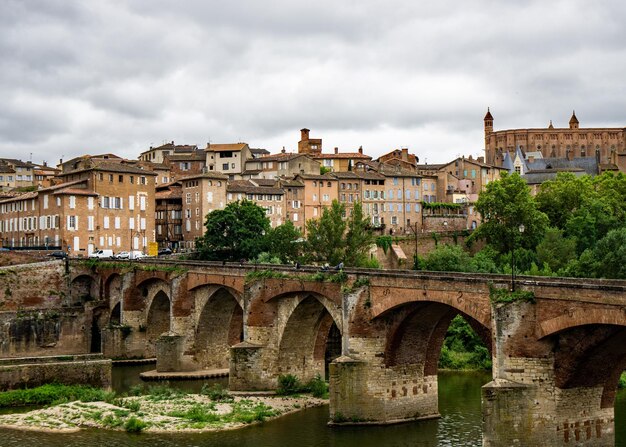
[
  {"x": 201, "y": 194},
  {"x": 319, "y": 193},
  {"x": 264, "y": 192},
  {"x": 229, "y": 159},
  {"x": 169, "y": 215},
  {"x": 16, "y": 174},
  {"x": 120, "y": 215},
  {"x": 184, "y": 164},
  {"x": 572, "y": 141},
  {"x": 159, "y": 153},
  {"x": 281, "y": 165}
]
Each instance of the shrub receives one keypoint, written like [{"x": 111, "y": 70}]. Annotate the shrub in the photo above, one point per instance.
[
  {"x": 318, "y": 387},
  {"x": 288, "y": 384},
  {"x": 134, "y": 425}
]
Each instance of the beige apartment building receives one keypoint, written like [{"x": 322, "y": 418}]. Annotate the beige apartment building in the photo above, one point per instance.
[
  {"x": 16, "y": 174},
  {"x": 319, "y": 193},
  {"x": 294, "y": 202},
  {"x": 201, "y": 194},
  {"x": 229, "y": 159},
  {"x": 120, "y": 216}
]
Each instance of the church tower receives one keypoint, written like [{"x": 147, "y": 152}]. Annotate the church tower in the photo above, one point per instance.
[
  {"x": 489, "y": 152},
  {"x": 573, "y": 121}
]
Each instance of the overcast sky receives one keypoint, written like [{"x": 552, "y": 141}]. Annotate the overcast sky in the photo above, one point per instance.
[{"x": 119, "y": 76}]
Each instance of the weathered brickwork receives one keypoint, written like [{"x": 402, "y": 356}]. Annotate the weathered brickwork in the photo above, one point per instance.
[{"x": 556, "y": 361}]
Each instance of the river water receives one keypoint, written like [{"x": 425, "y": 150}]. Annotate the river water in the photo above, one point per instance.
[{"x": 459, "y": 404}]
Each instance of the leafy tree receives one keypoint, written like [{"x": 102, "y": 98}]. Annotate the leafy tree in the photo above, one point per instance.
[
  {"x": 485, "y": 261},
  {"x": 359, "y": 238},
  {"x": 609, "y": 255},
  {"x": 505, "y": 205},
  {"x": 555, "y": 250},
  {"x": 563, "y": 196},
  {"x": 325, "y": 236},
  {"x": 448, "y": 258},
  {"x": 236, "y": 232},
  {"x": 284, "y": 242}
]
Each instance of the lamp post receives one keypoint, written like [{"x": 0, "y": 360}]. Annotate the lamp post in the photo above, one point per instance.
[{"x": 521, "y": 229}]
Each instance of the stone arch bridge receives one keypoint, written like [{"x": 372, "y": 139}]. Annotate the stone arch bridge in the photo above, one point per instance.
[{"x": 377, "y": 335}]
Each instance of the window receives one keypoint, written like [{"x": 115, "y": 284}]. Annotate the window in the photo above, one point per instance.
[
  {"x": 120, "y": 179},
  {"x": 394, "y": 220},
  {"x": 132, "y": 179},
  {"x": 143, "y": 180},
  {"x": 71, "y": 222},
  {"x": 111, "y": 177},
  {"x": 225, "y": 167},
  {"x": 232, "y": 165},
  {"x": 106, "y": 222},
  {"x": 105, "y": 202},
  {"x": 72, "y": 202}
]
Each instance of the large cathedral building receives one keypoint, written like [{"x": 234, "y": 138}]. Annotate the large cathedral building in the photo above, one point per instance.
[{"x": 608, "y": 144}]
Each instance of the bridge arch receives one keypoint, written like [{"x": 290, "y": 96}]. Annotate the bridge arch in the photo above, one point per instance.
[
  {"x": 310, "y": 338},
  {"x": 158, "y": 320},
  {"x": 83, "y": 288},
  {"x": 415, "y": 333},
  {"x": 113, "y": 289},
  {"x": 219, "y": 325},
  {"x": 590, "y": 356}
]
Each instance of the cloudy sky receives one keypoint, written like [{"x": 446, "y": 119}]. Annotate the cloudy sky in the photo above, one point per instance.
[{"x": 119, "y": 76}]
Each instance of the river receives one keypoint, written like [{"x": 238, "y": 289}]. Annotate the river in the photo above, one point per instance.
[{"x": 459, "y": 425}]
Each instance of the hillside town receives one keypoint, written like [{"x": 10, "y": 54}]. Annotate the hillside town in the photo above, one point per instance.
[{"x": 105, "y": 202}]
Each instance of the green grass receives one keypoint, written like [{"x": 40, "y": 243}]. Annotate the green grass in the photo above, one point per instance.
[
  {"x": 52, "y": 394},
  {"x": 134, "y": 425},
  {"x": 197, "y": 413},
  {"x": 622, "y": 380}
]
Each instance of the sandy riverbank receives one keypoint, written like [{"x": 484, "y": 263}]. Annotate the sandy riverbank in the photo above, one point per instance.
[{"x": 188, "y": 413}]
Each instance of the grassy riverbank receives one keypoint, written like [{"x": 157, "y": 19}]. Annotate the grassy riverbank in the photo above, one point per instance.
[{"x": 155, "y": 409}]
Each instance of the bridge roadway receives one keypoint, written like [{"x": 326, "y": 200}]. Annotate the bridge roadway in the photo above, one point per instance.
[{"x": 377, "y": 335}]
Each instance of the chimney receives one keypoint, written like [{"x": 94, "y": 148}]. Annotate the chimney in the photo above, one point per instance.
[
  {"x": 304, "y": 134},
  {"x": 283, "y": 151},
  {"x": 531, "y": 159},
  {"x": 405, "y": 154},
  {"x": 360, "y": 149},
  {"x": 336, "y": 150},
  {"x": 60, "y": 161},
  {"x": 481, "y": 159},
  {"x": 45, "y": 163}
]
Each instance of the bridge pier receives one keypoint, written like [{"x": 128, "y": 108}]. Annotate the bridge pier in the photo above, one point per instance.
[
  {"x": 523, "y": 406},
  {"x": 363, "y": 390}
]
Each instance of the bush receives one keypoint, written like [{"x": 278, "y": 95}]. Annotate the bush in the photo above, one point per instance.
[
  {"x": 318, "y": 387},
  {"x": 134, "y": 425},
  {"x": 288, "y": 384}
]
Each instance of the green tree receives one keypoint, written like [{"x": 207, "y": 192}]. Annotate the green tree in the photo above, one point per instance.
[
  {"x": 284, "y": 242},
  {"x": 504, "y": 206},
  {"x": 236, "y": 232},
  {"x": 359, "y": 237},
  {"x": 448, "y": 258},
  {"x": 563, "y": 196},
  {"x": 609, "y": 255},
  {"x": 325, "y": 236},
  {"x": 555, "y": 250}
]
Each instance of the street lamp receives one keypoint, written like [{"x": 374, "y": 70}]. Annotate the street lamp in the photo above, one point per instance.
[{"x": 521, "y": 229}]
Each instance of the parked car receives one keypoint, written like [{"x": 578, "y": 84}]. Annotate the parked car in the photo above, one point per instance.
[
  {"x": 122, "y": 255},
  {"x": 102, "y": 254},
  {"x": 136, "y": 254},
  {"x": 58, "y": 255},
  {"x": 165, "y": 251}
]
